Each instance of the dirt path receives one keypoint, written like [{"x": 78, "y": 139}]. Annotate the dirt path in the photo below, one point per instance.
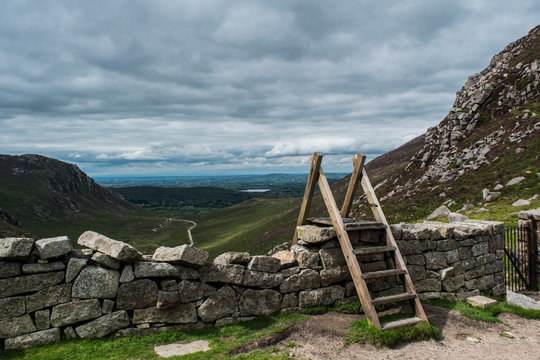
[
  {"x": 461, "y": 338},
  {"x": 191, "y": 243}
]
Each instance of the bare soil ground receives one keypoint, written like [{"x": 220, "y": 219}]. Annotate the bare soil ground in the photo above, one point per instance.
[{"x": 321, "y": 337}]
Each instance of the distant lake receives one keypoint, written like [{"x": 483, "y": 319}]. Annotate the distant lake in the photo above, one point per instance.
[{"x": 256, "y": 190}]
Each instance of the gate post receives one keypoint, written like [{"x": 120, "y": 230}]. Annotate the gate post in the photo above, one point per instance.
[
  {"x": 532, "y": 253},
  {"x": 531, "y": 219}
]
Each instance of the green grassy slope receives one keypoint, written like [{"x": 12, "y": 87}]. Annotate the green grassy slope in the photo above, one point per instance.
[
  {"x": 47, "y": 197},
  {"x": 255, "y": 226}
]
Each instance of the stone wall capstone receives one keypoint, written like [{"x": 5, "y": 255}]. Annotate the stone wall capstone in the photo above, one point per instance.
[{"x": 49, "y": 291}]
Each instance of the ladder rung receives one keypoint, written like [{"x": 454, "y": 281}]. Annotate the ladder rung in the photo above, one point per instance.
[
  {"x": 392, "y": 298},
  {"x": 374, "y": 250},
  {"x": 401, "y": 323},
  {"x": 382, "y": 273},
  {"x": 350, "y": 224}
]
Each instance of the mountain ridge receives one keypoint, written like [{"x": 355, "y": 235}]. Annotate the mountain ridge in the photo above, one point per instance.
[{"x": 490, "y": 135}]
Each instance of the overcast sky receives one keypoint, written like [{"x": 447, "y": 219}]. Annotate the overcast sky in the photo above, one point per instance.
[{"x": 232, "y": 87}]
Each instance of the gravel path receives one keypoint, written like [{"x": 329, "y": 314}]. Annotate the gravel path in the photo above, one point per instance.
[
  {"x": 191, "y": 243},
  {"x": 461, "y": 338}
]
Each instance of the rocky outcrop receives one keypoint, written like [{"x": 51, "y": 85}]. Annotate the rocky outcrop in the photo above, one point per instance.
[{"x": 487, "y": 138}]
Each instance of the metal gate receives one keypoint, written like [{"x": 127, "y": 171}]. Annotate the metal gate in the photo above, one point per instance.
[{"x": 520, "y": 248}]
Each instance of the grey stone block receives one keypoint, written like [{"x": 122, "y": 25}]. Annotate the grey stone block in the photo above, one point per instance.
[
  {"x": 147, "y": 269},
  {"x": 9, "y": 269},
  {"x": 290, "y": 271},
  {"x": 480, "y": 249},
  {"x": 262, "y": 279},
  {"x": 315, "y": 234},
  {"x": 184, "y": 254},
  {"x": 232, "y": 257},
  {"x": 73, "y": 268},
  {"x": 42, "y": 319},
  {"x": 227, "y": 274},
  {"x": 306, "y": 279},
  {"x": 331, "y": 258},
  {"x": 39, "y": 338},
  {"x": 323, "y": 296},
  {"x": 127, "y": 274},
  {"x": 416, "y": 260},
  {"x": 105, "y": 260},
  {"x": 42, "y": 268},
  {"x": 24, "y": 284},
  {"x": 435, "y": 260},
  {"x": 138, "y": 294},
  {"x": 416, "y": 272},
  {"x": 12, "y": 307},
  {"x": 409, "y": 247},
  {"x": 259, "y": 302},
  {"x": 474, "y": 273},
  {"x": 115, "y": 249},
  {"x": 104, "y": 325},
  {"x": 189, "y": 291},
  {"x": 53, "y": 247},
  {"x": 16, "y": 248},
  {"x": 74, "y": 312},
  {"x": 69, "y": 333},
  {"x": 168, "y": 285},
  {"x": 289, "y": 301},
  {"x": 446, "y": 245},
  {"x": 95, "y": 282},
  {"x": 180, "y": 314},
  {"x": 48, "y": 297},
  {"x": 429, "y": 284},
  {"x": 334, "y": 275},
  {"x": 452, "y": 256},
  {"x": 222, "y": 303},
  {"x": 16, "y": 326},
  {"x": 264, "y": 263},
  {"x": 167, "y": 299},
  {"x": 107, "y": 306},
  {"x": 451, "y": 284}
]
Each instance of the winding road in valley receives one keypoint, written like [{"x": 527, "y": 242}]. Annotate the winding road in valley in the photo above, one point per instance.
[{"x": 191, "y": 243}]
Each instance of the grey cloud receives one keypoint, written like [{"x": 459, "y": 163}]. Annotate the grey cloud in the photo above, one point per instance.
[{"x": 236, "y": 86}]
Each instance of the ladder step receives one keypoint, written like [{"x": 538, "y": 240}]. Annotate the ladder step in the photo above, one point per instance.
[
  {"x": 401, "y": 323},
  {"x": 382, "y": 273},
  {"x": 392, "y": 298},
  {"x": 350, "y": 224},
  {"x": 374, "y": 250}
]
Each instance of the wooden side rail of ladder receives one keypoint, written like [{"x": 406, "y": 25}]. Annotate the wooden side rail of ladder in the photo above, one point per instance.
[{"x": 316, "y": 175}]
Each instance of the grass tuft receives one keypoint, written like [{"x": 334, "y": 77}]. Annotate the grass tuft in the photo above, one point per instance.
[
  {"x": 361, "y": 331},
  {"x": 489, "y": 314}
]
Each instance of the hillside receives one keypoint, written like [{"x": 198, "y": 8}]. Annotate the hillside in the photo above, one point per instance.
[
  {"x": 47, "y": 197},
  {"x": 490, "y": 136},
  {"x": 182, "y": 201}
]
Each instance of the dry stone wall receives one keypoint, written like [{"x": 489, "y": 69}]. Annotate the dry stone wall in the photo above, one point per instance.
[{"x": 49, "y": 291}]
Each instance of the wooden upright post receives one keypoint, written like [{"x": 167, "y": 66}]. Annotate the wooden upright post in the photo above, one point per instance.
[
  {"x": 316, "y": 160},
  {"x": 358, "y": 162}
]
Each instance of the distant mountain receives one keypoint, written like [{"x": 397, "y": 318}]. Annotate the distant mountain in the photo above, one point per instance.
[
  {"x": 491, "y": 135},
  {"x": 34, "y": 186},
  {"x": 45, "y": 197}
]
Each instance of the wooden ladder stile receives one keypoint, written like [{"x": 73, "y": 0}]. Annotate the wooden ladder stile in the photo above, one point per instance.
[
  {"x": 390, "y": 241},
  {"x": 337, "y": 217}
]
